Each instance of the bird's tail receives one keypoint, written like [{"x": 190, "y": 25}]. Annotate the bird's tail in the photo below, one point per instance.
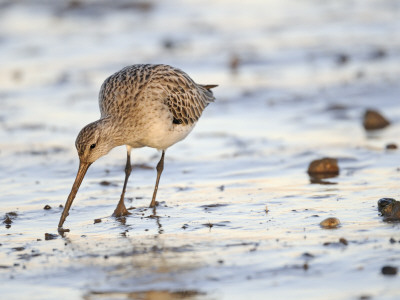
[
  {"x": 209, "y": 86},
  {"x": 208, "y": 92}
]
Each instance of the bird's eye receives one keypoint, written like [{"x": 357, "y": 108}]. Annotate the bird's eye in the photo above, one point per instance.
[{"x": 92, "y": 146}]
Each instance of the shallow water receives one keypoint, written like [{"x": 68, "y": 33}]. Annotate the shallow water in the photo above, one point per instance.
[{"x": 306, "y": 72}]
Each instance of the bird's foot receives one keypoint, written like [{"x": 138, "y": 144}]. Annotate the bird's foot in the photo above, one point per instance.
[
  {"x": 61, "y": 231},
  {"x": 120, "y": 211},
  {"x": 154, "y": 204}
]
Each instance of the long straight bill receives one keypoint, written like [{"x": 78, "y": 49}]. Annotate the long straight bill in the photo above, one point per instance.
[{"x": 83, "y": 167}]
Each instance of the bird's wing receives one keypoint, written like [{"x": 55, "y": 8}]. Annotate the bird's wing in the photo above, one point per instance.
[{"x": 186, "y": 100}]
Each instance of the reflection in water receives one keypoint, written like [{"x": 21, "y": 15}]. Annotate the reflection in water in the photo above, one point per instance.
[
  {"x": 122, "y": 222},
  {"x": 157, "y": 218},
  {"x": 146, "y": 295},
  {"x": 320, "y": 178}
]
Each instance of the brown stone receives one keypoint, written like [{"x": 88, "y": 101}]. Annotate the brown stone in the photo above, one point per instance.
[
  {"x": 323, "y": 166},
  {"x": 391, "y": 146},
  {"x": 374, "y": 120},
  {"x": 390, "y": 209},
  {"x": 330, "y": 223}
]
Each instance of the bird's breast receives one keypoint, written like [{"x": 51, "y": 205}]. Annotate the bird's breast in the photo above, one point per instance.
[{"x": 161, "y": 136}]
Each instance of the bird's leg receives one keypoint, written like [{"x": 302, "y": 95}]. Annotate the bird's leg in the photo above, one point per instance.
[
  {"x": 160, "y": 168},
  {"x": 121, "y": 209}
]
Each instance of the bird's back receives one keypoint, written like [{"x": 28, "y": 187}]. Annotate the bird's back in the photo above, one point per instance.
[{"x": 124, "y": 91}]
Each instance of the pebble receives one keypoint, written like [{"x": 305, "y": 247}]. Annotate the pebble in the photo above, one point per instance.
[
  {"x": 324, "y": 166},
  {"x": 307, "y": 255},
  {"x": 330, "y": 223},
  {"x": 378, "y": 54},
  {"x": 50, "y": 236},
  {"x": 97, "y": 221},
  {"x": 374, "y": 120},
  {"x": 389, "y": 270},
  {"x": 391, "y": 146},
  {"x": 342, "y": 59},
  {"x": 47, "y": 207},
  {"x": 390, "y": 209},
  {"x": 18, "y": 248},
  {"x": 7, "y": 220}
]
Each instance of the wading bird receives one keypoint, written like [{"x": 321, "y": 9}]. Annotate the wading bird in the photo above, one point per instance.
[{"x": 141, "y": 105}]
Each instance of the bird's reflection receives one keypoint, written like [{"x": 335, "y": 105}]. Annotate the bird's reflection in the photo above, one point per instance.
[{"x": 157, "y": 218}]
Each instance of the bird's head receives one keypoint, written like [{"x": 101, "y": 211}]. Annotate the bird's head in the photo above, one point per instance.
[{"x": 92, "y": 142}]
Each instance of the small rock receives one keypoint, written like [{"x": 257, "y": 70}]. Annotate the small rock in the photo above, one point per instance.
[
  {"x": 374, "y": 120},
  {"x": 392, "y": 240},
  {"x": 378, "y": 53},
  {"x": 389, "y": 270},
  {"x": 7, "y": 220},
  {"x": 4, "y": 267},
  {"x": 391, "y": 146},
  {"x": 383, "y": 202},
  {"x": 73, "y": 4},
  {"x": 18, "y": 248},
  {"x": 307, "y": 255},
  {"x": 47, "y": 207},
  {"x": 330, "y": 223},
  {"x": 389, "y": 209},
  {"x": 97, "y": 221},
  {"x": 168, "y": 44},
  {"x": 209, "y": 224},
  {"x": 342, "y": 59},
  {"x": 105, "y": 183},
  {"x": 343, "y": 241},
  {"x": 324, "y": 166},
  {"x": 50, "y": 236}
]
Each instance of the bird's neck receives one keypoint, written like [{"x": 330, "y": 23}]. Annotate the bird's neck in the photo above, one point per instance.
[{"x": 112, "y": 131}]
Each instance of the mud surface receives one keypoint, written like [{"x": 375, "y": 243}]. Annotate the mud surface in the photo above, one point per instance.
[{"x": 238, "y": 216}]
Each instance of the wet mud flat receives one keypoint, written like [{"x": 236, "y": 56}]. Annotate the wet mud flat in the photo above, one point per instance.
[{"x": 240, "y": 215}]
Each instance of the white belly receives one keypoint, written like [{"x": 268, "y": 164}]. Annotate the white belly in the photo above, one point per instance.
[{"x": 160, "y": 136}]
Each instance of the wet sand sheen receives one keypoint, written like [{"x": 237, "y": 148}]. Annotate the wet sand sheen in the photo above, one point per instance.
[{"x": 238, "y": 215}]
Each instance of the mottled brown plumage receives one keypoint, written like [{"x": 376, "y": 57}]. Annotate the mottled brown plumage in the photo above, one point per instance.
[
  {"x": 141, "y": 105},
  {"x": 184, "y": 98}
]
